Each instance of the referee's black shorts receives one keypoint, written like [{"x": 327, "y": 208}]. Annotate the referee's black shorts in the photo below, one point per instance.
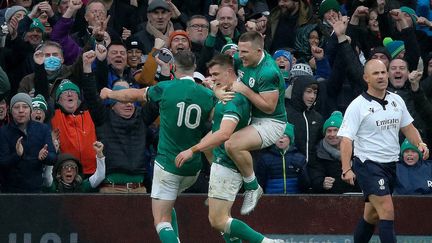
[{"x": 375, "y": 178}]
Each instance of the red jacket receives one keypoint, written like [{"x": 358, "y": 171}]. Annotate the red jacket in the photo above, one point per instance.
[{"x": 77, "y": 134}]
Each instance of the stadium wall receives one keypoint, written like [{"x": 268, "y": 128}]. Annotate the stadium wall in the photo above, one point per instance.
[{"x": 95, "y": 218}]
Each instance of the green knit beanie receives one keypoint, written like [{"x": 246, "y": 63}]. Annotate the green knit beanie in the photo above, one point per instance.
[
  {"x": 289, "y": 131},
  {"x": 66, "y": 85},
  {"x": 335, "y": 120},
  {"x": 411, "y": 13},
  {"x": 407, "y": 145},
  {"x": 39, "y": 102},
  {"x": 393, "y": 46},
  {"x": 327, "y": 5}
]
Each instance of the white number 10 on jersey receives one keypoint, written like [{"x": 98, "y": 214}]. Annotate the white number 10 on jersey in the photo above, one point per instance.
[{"x": 185, "y": 115}]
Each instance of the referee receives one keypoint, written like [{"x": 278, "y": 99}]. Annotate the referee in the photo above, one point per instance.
[{"x": 373, "y": 121}]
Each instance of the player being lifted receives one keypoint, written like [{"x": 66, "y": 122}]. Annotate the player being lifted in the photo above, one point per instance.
[
  {"x": 263, "y": 85},
  {"x": 225, "y": 179}
]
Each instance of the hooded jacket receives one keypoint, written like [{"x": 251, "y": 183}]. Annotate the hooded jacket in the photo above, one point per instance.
[
  {"x": 307, "y": 121},
  {"x": 280, "y": 172},
  {"x": 302, "y": 42},
  {"x": 414, "y": 179}
]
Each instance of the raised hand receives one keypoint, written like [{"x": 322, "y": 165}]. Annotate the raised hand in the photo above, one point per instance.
[
  {"x": 35, "y": 12},
  {"x": 75, "y": 5},
  {"x": 104, "y": 93},
  {"x": 98, "y": 147},
  {"x": 214, "y": 27},
  {"x": 317, "y": 53},
  {"x": 340, "y": 25},
  {"x": 213, "y": 9},
  {"x": 396, "y": 14},
  {"x": 13, "y": 27},
  {"x": 19, "y": 147},
  {"x": 174, "y": 10},
  {"x": 88, "y": 58},
  {"x": 424, "y": 21},
  {"x": 39, "y": 57},
  {"x": 361, "y": 11},
  {"x": 126, "y": 33},
  {"x": 46, "y": 7},
  {"x": 159, "y": 43},
  {"x": 414, "y": 78},
  {"x": 43, "y": 153},
  {"x": 251, "y": 26},
  {"x": 101, "y": 52}
]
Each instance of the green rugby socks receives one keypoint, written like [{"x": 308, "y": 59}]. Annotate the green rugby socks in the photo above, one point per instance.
[
  {"x": 166, "y": 233},
  {"x": 250, "y": 183},
  {"x": 237, "y": 228}
]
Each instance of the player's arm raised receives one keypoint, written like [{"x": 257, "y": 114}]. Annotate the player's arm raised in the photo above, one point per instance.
[{"x": 125, "y": 95}]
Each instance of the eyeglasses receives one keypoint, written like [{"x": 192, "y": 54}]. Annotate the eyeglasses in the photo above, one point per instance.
[
  {"x": 197, "y": 26},
  {"x": 67, "y": 167}
]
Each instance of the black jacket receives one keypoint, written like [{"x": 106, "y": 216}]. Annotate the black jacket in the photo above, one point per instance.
[
  {"x": 307, "y": 122},
  {"x": 124, "y": 139},
  {"x": 328, "y": 166}
]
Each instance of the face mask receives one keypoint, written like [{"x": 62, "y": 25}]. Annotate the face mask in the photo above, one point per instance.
[
  {"x": 52, "y": 63},
  {"x": 243, "y": 2}
]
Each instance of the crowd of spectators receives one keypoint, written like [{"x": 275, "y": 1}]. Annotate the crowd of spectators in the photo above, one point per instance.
[{"x": 55, "y": 57}]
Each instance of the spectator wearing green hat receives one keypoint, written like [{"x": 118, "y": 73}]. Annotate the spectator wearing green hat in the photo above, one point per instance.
[
  {"x": 414, "y": 175},
  {"x": 40, "y": 109},
  {"x": 405, "y": 31},
  {"x": 34, "y": 35},
  {"x": 325, "y": 172},
  {"x": 76, "y": 130},
  {"x": 281, "y": 168}
]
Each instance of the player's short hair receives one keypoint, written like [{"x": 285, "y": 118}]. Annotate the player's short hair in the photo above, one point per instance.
[
  {"x": 254, "y": 37},
  {"x": 222, "y": 60},
  {"x": 185, "y": 61}
]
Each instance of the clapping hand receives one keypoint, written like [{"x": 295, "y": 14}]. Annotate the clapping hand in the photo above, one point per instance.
[{"x": 43, "y": 153}]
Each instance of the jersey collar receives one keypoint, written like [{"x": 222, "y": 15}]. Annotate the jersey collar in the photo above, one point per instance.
[
  {"x": 383, "y": 102},
  {"x": 188, "y": 77}
]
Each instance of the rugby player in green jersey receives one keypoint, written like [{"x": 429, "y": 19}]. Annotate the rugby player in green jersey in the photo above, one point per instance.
[
  {"x": 184, "y": 108},
  {"x": 225, "y": 179},
  {"x": 262, "y": 83}
]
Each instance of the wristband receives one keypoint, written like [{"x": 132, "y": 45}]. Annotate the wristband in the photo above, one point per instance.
[
  {"x": 343, "y": 173},
  {"x": 195, "y": 149}
]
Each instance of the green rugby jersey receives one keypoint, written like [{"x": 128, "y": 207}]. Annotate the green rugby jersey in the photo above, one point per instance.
[
  {"x": 238, "y": 109},
  {"x": 264, "y": 78},
  {"x": 184, "y": 108}
]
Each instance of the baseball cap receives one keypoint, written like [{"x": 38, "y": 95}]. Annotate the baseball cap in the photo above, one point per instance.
[{"x": 155, "y": 4}]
